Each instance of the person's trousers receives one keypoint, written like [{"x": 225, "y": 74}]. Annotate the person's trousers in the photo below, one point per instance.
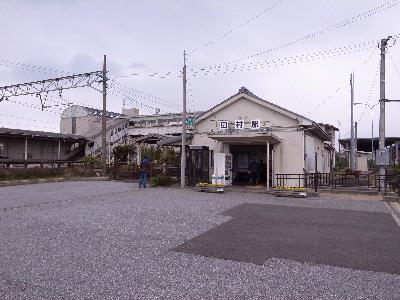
[{"x": 143, "y": 179}]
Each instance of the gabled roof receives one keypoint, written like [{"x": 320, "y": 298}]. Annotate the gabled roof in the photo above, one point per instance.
[{"x": 245, "y": 93}]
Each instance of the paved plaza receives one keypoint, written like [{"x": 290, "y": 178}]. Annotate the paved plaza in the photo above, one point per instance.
[{"x": 110, "y": 240}]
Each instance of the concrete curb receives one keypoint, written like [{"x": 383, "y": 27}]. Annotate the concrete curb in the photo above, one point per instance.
[
  {"x": 391, "y": 199},
  {"x": 35, "y": 181},
  {"x": 352, "y": 192},
  {"x": 394, "y": 209}
]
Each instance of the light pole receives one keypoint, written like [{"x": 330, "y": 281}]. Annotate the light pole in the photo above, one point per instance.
[
  {"x": 372, "y": 131},
  {"x": 339, "y": 135},
  {"x": 353, "y": 146}
]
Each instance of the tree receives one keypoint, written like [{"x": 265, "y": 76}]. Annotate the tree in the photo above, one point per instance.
[{"x": 123, "y": 152}]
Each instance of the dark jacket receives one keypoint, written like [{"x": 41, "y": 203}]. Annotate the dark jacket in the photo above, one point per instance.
[{"x": 145, "y": 166}]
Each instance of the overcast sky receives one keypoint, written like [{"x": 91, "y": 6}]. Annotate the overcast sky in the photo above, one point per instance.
[{"x": 143, "y": 37}]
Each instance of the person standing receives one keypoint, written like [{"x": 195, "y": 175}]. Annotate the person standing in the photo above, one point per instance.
[
  {"x": 253, "y": 169},
  {"x": 144, "y": 172},
  {"x": 262, "y": 170}
]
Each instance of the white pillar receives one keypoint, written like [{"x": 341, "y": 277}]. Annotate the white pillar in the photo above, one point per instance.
[
  {"x": 26, "y": 149},
  {"x": 273, "y": 167},
  {"x": 267, "y": 166}
]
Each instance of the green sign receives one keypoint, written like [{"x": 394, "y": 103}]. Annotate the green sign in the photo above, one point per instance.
[{"x": 190, "y": 121}]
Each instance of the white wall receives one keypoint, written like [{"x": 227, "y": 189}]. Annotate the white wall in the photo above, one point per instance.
[{"x": 288, "y": 154}]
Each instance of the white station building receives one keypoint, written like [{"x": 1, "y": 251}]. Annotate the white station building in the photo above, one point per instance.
[{"x": 246, "y": 127}]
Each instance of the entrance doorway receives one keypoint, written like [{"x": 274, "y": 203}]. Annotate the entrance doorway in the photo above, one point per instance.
[{"x": 250, "y": 164}]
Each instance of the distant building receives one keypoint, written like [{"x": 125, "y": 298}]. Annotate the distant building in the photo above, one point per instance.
[
  {"x": 18, "y": 145},
  {"x": 127, "y": 128},
  {"x": 366, "y": 148}
]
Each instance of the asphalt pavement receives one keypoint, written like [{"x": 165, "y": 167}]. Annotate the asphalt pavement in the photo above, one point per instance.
[{"x": 110, "y": 240}]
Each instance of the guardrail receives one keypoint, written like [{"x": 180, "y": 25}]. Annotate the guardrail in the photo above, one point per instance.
[{"x": 382, "y": 183}]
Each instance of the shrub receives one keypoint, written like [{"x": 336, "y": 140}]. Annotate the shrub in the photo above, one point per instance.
[
  {"x": 121, "y": 153},
  {"x": 91, "y": 162},
  {"x": 162, "y": 180}
]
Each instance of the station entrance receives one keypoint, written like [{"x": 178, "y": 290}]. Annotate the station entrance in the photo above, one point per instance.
[{"x": 249, "y": 164}]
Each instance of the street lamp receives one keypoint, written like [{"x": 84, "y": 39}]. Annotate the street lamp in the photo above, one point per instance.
[
  {"x": 353, "y": 141},
  {"x": 372, "y": 130}
]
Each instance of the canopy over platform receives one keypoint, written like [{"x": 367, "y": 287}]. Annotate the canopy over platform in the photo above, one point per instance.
[
  {"x": 365, "y": 144},
  {"x": 245, "y": 138}
]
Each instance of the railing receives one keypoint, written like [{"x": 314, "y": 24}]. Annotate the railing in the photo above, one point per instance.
[{"x": 382, "y": 183}]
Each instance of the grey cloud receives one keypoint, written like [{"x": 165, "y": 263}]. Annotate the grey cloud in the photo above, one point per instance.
[{"x": 137, "y": 65}]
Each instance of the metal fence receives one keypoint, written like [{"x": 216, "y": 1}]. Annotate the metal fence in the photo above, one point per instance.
[{"x": 380, "y": 183}]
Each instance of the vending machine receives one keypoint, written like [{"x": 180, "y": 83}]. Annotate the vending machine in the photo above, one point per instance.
[{"x": 222, "y": 169}]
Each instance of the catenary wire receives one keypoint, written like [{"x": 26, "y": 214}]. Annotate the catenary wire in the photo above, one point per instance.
[
  {"x": 323, "y": 31},
  {"x": 241, "y": 25}
]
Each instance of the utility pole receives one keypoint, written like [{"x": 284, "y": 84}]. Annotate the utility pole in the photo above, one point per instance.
[
  {"x": 372, "y": 140},
  {"x": 382, "y": 102},
  {"x": 104, "y": 119},
  {"x": 183, "y": 150},
  {"x": 352, "y": 144},
  {"x": 339, "y": 136},
  {"x": 356, "y": 148}
]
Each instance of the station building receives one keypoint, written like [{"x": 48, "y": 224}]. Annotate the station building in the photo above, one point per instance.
[{"x": 249, "y": 128}]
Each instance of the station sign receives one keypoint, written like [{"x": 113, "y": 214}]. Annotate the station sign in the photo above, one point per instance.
[{"x": 240, "y": 124}]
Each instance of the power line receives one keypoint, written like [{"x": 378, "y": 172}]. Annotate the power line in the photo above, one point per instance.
[
  {"x": 24, "y": 124},
  {"x": 340, "y": 88},
  {"x": 27, "y": 119},
  {"x": 309, "y": 57},
  {"x": 323, "y": 31},
  {"x": 158, "y": 75},
  {"x": 241, "y": 25},
  {"x": 370, "y": 92},
  {"x": 142, "y": 94},
  {"x": 128, "y": 98},
  {"x": 30, "y": 67},
  {"x": 394, "y": 64}
]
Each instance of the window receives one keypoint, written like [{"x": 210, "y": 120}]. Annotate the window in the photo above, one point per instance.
[{"x": 112, "y": 132}]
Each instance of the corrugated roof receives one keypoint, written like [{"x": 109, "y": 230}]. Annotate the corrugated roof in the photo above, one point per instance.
[{"x": 43, "y": 134}]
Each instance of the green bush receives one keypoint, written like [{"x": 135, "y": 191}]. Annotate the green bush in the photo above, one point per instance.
[
  {"x": 92, "y": 162},
  {"x": 162, "y": 180},
  {"x": 9, "y": 174},
  {"x": 155, "y": 181},
  {"x": 122, "y": 152}
]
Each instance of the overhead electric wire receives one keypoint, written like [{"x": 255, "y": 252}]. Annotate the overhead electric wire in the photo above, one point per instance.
[
  {"x": 366, "y": 105},
  {"x": 394, "y": 64},
  {"x": 129, "y": 98},
  {"x": 30, "y": 67},
  {"x": 158, "y": 75},
  {"x": 141, "y": 94},
  {"x": 309, "y": 57},
  {"x": 241, "y": 25},
  {"x": 24, "y": 125},
  {"x": 306, "y": 57},
  {"x": 340, "y": 88},
  {"x": 28, "y": 119},
  {"x": 325, "y": 30},
  {"x": 31, "y": 106}
]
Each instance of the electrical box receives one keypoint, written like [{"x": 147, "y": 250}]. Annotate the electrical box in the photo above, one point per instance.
[{"x": 382, "y": 157}]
